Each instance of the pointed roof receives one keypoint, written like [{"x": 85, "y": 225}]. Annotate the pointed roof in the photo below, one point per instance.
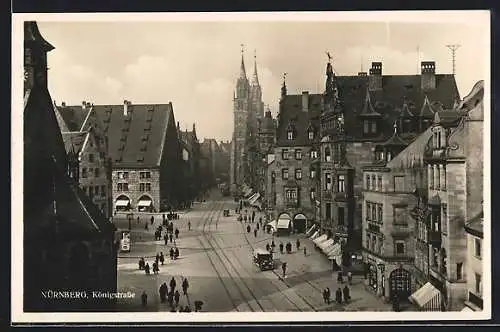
[
  {"x": 243, "y": 72},
  {"x": 368, "y": 109},
  {"x": 60, "y": 121},
  {"x": 255, "y": 77},
  {"x": 32, "y": 35},
  {"x": 405, "y": 111},
  {"x": 73, "y": 141},
  {"x": 427, "y": 111},
  {"x": 395, "y": 140}
]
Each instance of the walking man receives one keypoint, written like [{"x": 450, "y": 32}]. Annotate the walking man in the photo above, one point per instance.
[
  {"x": 152, "y": 220},
  {"x": 338, "y": 295},
  {"x": 347, "y": 294},
  {"x": 298, "y": 244},
  {"x": 189, "y": 225},
  {"x": 284, "y": 269},
  {"x": 144, "y": 299},
  {"x": 349, "y": 277},
  {"x": 185, "y": 286},
  {"x": 176, "y": 233},
  {"x": 255, "y": 232},
  {"x": 162, "y": 258},
  {"x": 177, "y": 297},
  {"x": 172, "y": 284}
]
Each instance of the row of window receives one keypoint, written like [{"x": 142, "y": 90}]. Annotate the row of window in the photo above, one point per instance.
[
  {"x": 437, "y": 177},
  {"x": 340, "y": 182},
  {"x": 374, "y": 183},
  {"x": 374, "y": 212},
  {"x": 292, "y": 134},
  {"x": 95, "y": 191},
  {"x": 340, "y": 214},
  {"x": 142, "y": 175},
  {"x": 285, "y": 154},
  {"x": 91, "y": 156},
  {"x": 375, "y": 244},
  {"x": 143, "y": 186},
  {"x": 86, "y": 173}
]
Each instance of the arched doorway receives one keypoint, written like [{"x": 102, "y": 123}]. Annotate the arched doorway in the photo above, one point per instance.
[
  {"x": 284, "y": 224},
  {"x": 122, "y": 203},
  {"x": 300, "y": 223},
  {"x": 145, "y": 204},
  {"x": 400, "y": 284}
]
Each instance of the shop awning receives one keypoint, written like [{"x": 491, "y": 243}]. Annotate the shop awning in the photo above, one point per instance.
[
  {"x": 427, "y": 298},
  {"x": 121, "y": 202},
  {"x": 310, "y": 231},
  {"x": 145, "y": 202},
  {"x": 325, "y": 244},
  {"x": 254, "y": 198},
  {"x": 319, "y": 239},
  {"x": 334, "y": 250},
  {"x": 283, "y": 223},
  {"x": 315, "y": 235}
]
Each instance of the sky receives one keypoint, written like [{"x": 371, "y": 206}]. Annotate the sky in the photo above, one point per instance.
[{"x": 195, "y": 64}]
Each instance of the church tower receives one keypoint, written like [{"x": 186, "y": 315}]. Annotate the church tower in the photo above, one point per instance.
[{"x": 248, "y": 109}]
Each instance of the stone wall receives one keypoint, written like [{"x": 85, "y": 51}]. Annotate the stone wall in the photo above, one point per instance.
[{"x": 134, "y": 180}]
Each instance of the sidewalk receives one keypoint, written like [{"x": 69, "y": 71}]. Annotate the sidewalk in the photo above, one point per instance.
[{"x": 309, "y": 275}]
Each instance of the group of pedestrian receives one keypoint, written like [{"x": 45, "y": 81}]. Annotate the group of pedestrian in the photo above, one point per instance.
[
  {"x": 172, "y": 295},
  {"x": 340, "y": 277},
  {"x": 287, "y": 247}
]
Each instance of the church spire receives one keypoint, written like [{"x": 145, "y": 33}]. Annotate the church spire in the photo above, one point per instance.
[
  {"x": 243, "y": 72},
  {"x": 283, "y": 87},
  {"x": 255, "y": 78}
]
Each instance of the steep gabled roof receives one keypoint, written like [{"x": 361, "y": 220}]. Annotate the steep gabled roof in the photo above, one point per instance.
[
  {"x": 396, "y": 90},
  {"x": 427, "y": 111},
  {"x": 368, "y": 110},
  {"x": 135, "y": 139},
  {"x": 405, "y": 111},
  {"x": 73, "y": 140},
  {"x": 448, "y": 118}
]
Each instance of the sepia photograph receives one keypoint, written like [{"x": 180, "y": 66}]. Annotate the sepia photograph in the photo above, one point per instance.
[{"x": 261, "y": 167}]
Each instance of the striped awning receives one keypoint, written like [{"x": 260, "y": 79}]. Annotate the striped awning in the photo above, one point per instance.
[
  {"x": 427, "y": 298},
  {"x": 145, "y": 202},
  {"x": 283, "y": 223},
  {"x": 320, "y": 239},
  {"x": 122, "y": 202},
  {"x": 325, "y": 244},
  {"x": 333, "y": 250}
]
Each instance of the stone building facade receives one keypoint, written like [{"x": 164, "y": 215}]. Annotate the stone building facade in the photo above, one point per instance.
[
  {"x": 68, "y": 242},
  {"x": 292, "y": 177},
  {"x": 474, "y": 265},
  {"x": 145, "y": 151},
  {"x": 358, "y": 115},
  {"x": 191, "y": 157}
]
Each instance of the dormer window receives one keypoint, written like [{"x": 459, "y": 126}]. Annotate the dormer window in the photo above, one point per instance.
[
  {"x": 369, "y": 127},
  {"x": 328, "y": 154}
]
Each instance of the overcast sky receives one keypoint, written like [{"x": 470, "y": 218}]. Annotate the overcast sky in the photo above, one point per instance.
[{"x": 195, "y": 64}]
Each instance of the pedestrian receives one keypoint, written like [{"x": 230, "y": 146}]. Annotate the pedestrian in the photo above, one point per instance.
[
  {"x": 144, "y": 299},
  {"x": 163, "y": 292},
  {"x": 281, "y": 247},
  {"x": 197, "y": 305},
  {"x": 189, "y": 225},
  {"x": 338, "y": 295},
  {"x": 176, "y": 253},
  {"x": 171, "y": 238},
  {"x": 258, "y": 226},
  {"x": 162, "y": 258},
  {"x": 141, "y": 263},
  {"x": 268, "y": 247},
  {"x": 255, "y": 232},
  {"x": 172, "y": 253},
  {"x": 340, "y": 279},
  {"x": 185, "y": 286},
  {"x": 170, "y": 298},
  {"x": 176, "y": 233},
  {"x": 283, "y": 267},
  {"x": 165, "y": 238},
  {"x": 163, "y": 219},
  {"x": 146, "y": 225},
  {"x": 305, "y": 251},
  {"x": 347, "y": 294},
  {"x": 177, "y": 296},
  {"x": 156, "y": 269},
  {"x": 248, "y": 229},
  {"x": 152, "y": 220},
  {"x": 328, "y": 295},
  {"x": 273, "y": 245},
  {"x": 138, "y": 220},
  {"x": 172, "y": 284},
  {"x": 298, "y": 244},
  {"x": 146, "y": 268},
  {"x": 349, "y": 277},
  {"x": 157, "y": 257},
  {"x": 324, "y": 295}
]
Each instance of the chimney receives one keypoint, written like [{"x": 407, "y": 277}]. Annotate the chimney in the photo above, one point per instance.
[
  {"x": 84, "y": 105},
  {"x": 362, "y": 73},
  {"x": 428, "y": 78},
  {"x": 125, "y": 107},
  {"x": 63, "y": 104},
  {"x": 305, "y": 101},
  {"x": 375, "y": 78}
]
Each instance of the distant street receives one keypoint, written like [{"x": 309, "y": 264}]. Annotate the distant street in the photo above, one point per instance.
[{"x": 216, "y": 258}]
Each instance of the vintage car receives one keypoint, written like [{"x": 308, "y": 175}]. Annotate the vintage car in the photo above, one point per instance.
[{"x": 263, "y": 259}]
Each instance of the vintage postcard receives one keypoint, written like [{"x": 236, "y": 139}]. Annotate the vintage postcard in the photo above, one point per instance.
[{"x": 251, "y": 167}]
